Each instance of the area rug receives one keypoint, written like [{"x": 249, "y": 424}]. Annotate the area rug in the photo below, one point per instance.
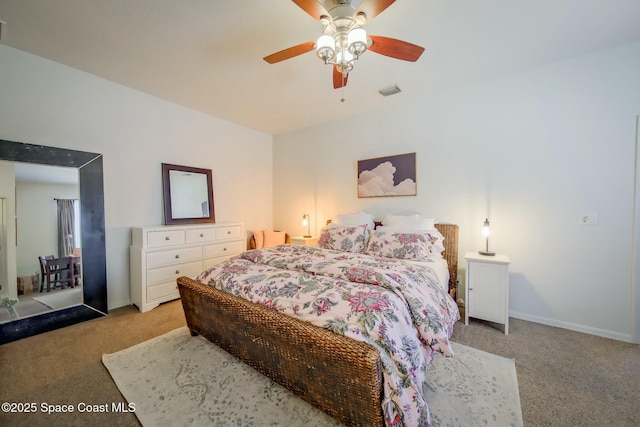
[
  {"x": 177, "y": 379},
  {"x": 61, "y": 299}
]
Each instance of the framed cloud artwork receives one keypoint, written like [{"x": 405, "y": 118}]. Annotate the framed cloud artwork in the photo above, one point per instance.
[{"x": 387, "y": 176}]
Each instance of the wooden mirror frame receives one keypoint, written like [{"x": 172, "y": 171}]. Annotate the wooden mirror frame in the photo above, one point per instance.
[
  {"x": 94, "y": 262},
  {"x": 166, "y": 186}
]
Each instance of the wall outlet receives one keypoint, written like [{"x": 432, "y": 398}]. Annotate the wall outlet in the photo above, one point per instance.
[{"x": 590, "y": 218}]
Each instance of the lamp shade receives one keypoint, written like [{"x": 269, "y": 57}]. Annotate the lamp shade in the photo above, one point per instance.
[
  {"x": 485, "y": 232},
  {"x": 344, "y": 57},
  {"x": 307, "y": 223},
  {"x": 325, "y": 47},
  {"x": 485, "y": 229},
  {"x": 357, "y": 41}
]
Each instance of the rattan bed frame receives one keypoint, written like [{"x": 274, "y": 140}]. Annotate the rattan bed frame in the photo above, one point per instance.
[{"x": 337, "y": 374}]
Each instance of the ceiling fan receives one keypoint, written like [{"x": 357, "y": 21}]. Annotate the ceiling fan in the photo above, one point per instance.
[{"x": 344, "y": 40}]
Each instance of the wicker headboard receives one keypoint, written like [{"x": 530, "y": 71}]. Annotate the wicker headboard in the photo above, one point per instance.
[{"x": 450, "y": 233}]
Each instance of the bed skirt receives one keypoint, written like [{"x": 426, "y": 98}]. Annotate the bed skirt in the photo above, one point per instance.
[{"x": 334, "y": 373}]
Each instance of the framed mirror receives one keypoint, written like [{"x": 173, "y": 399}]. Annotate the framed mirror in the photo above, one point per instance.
[
  {"x": 188, "y": 195},
  {"x": 92, "y": 234}
]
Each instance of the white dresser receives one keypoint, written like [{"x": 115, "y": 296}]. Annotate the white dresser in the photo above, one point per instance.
[{"x": 161, "y": 254}]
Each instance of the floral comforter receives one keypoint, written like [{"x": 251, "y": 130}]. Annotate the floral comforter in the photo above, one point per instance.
[{"x": 396, "y": 306}]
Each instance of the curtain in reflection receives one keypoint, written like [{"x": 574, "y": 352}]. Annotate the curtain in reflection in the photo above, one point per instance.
[{"x": 66, "y": 220}]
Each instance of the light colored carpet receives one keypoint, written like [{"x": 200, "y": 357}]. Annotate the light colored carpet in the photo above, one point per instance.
[
  {"x": 61, "y": 299},
  {"x": 177, "y": 379}
]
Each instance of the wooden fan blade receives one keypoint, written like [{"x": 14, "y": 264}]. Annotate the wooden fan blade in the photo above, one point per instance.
[
  {"x": 373, "y": 8},
  {"x": 395, "y": 48},
  {"x": 290, "y": 52},
  {"x": 312, "y": 7},
  {"x": 338, "y": 80}
]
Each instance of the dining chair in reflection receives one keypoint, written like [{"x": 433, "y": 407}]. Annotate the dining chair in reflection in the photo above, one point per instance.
[{"x": 43, "y": 270}]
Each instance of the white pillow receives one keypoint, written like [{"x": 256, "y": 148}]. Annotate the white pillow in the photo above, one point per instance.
[
  {"x": 409, "y": 222},
  {"x": 357, "y": 218}
]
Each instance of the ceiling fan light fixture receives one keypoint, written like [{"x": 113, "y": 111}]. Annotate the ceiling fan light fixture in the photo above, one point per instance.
[
  {"x": 344, "y": 39},
  {"x": 326, "y": 48},
  {"x": 344, "y": 59},
  {"x": 357, "y": 41}
]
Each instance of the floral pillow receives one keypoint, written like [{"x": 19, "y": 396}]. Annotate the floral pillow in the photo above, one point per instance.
[
  {"x": 348, "y": 238},
  {"x": 401, "y": 245},
  {"x": 435, "y": 238}
]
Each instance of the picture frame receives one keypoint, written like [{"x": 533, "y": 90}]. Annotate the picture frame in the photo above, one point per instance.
[{"x": 389, "y": 176}]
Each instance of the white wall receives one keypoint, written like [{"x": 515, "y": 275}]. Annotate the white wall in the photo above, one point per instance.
[
  {"x": 530, "y": 151},
  {"x": 43, "y": 102},
  {"x": 8, "y": 274},
  {"x": 37, "y": 219}
]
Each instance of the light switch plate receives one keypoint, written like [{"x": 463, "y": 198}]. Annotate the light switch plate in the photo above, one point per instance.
[{"x": 589, "y": 218}]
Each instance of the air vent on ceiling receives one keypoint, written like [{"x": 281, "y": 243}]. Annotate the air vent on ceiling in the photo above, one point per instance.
[
  {"x": 3, "y": 31},
  {"x": 391, "y": 90}
]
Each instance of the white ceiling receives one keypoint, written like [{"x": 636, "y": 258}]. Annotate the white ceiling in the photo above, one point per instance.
[
  {"x": 207, "y": 54},
  {"x": 32, "y": 172}
]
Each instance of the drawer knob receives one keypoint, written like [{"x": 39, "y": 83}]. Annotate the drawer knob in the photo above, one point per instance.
[
  {"x": 177, "y": 256},
  {"x": 177, "y": 271},
  {"x": 224, "y": 249},
  {"x": 201, "y": 235},
  {"x": 167, "y": 238},
  {"x": 229, "y": 232}
]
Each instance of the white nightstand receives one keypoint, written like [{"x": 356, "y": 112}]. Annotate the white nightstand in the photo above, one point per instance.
[
  {"x": 487, "y": 288},
  {"x": 304, "y": 241}
]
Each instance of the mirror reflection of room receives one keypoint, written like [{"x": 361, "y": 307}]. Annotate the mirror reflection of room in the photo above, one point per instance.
[
  {"x": 47, "y": 241},
  {"x": 189, "y": 194}
]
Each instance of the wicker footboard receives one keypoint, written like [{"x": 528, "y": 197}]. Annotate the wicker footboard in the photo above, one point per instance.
[{"x": 337, "y": 374}]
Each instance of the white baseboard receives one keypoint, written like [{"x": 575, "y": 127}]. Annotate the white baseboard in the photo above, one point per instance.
[
  {"x": 572, "y": 326},
  {"x": 119, "y": 304}
]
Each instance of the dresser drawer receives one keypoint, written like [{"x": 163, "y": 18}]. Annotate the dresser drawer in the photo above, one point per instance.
[
  {"x": 201, "y": 235},
  {"x": 163, "y": 291},
  {"x": 156, "y": 239},
  {"x": 228, "y": 232},
  {"x": 162, "y": 274},
  {"x": 173, "y": 256},
  {"x": 222, "y": 249}
]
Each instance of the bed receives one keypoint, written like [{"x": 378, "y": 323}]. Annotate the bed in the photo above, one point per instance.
[{"x": 292, "y": 329}]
